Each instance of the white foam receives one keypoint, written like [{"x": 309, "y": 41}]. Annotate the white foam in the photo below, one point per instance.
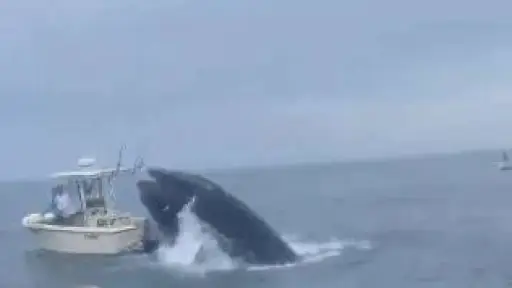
[
  {"x": 197, "y": 252},
  {"x": 194, "y": 251},
  {"x": 314, "y": 251}
]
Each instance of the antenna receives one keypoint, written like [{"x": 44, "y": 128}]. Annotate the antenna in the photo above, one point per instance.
[
  {"x": 119, "y": 159},
  {"x": 114, "y": 174}
]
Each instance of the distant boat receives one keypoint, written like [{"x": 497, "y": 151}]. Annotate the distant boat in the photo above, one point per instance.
[{"x": 505, "y": 162}]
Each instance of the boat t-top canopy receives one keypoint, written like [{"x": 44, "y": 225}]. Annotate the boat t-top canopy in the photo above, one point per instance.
[
  {"x": 93, "y": 173},
  {"x": 86, "y": 169}
]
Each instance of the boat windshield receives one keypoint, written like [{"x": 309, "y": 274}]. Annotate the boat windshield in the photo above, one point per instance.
[
  {"x": 93, "y": 192},
  {"x": 83, "y": 193}
]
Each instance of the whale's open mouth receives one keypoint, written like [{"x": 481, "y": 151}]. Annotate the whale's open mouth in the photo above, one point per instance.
[
  {"x": 164, "y": 197},
  {"x": 152, "y": 199}
]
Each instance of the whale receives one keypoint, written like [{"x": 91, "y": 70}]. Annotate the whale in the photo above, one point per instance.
[{"x": 239, "y": 231}]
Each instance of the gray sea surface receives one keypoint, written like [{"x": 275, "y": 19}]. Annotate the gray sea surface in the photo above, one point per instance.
[{"x": 439, "y": 221}]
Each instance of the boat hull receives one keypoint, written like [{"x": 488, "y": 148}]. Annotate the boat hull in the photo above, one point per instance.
[{"x": 88, "y": 240}]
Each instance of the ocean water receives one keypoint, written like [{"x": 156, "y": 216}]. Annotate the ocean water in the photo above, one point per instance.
[{"x": 440, "y": 221}]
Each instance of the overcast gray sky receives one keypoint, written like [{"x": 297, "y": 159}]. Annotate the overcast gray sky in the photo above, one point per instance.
[{"x": 202, "y": 84}]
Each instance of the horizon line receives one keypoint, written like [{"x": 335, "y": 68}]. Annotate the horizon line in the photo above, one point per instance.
[{"x": 346, "y": 160}]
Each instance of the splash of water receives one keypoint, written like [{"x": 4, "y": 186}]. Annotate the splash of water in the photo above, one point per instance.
[
  {"x": 194, "y": 250},
  {"x": 197, "y": 252}
]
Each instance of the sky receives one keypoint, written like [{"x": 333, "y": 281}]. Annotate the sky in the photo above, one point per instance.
[{"x": 196, "y": 84}]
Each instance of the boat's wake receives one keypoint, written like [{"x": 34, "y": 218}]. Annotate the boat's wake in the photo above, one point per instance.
[{"x": 197, "y": 253}]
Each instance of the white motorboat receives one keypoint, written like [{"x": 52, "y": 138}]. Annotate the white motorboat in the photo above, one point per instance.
[{"x": 97, "y": 228}]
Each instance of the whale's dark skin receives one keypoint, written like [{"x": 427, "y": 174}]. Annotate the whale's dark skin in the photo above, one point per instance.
[{"x": 240, "y": 231}]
